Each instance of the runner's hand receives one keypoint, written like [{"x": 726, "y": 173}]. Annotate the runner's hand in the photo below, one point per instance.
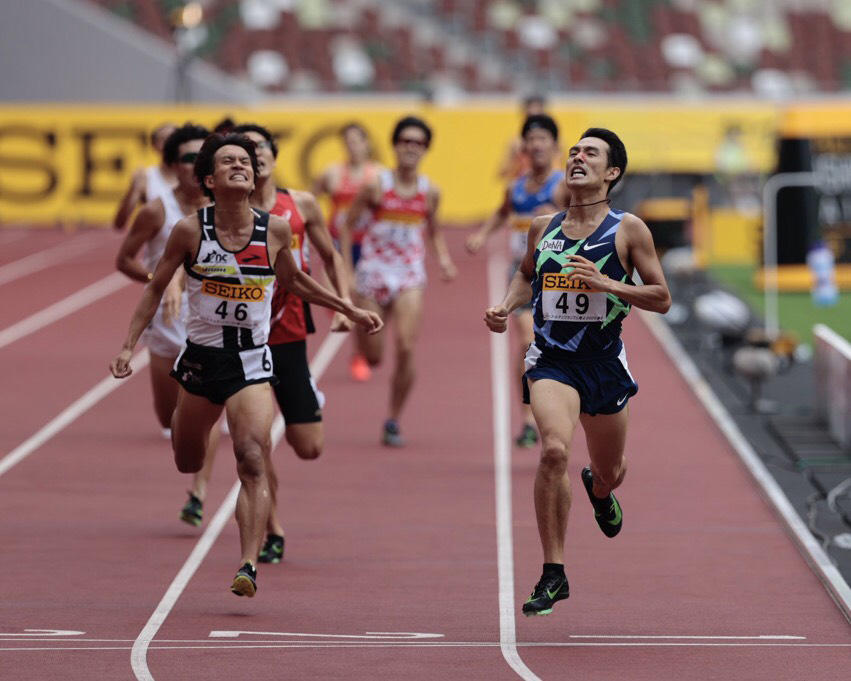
[
  {"x": 371, "y": 321},
  {"x": 120, "y": 366},
  {"x": 447, "y": 270},
  {"x": 340, "y": 322},
  {"x": 497, "y": 318},
  {"x": 474, "y": 242},
  {"x": 585, "y": 271}
]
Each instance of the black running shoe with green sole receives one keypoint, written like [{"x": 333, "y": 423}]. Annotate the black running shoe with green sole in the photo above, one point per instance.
[
  {"x": 273, "y": 549},
  {"x": 528, "y": 437},
  {"x": 193, "y": 511},
  {"x": 547, "y": 591},
  {"x": 607, "y": 511},
  {"x": 245, "y": 581}
]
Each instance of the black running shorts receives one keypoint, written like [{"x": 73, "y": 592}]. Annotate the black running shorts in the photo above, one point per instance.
[{"x": 298, "y": 397}]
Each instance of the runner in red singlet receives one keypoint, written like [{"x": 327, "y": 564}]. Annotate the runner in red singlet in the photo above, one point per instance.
[{"x": 342, "y": 181}]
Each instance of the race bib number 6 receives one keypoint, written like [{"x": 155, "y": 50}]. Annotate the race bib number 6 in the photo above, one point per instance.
[{"x": 565, "y": 300}]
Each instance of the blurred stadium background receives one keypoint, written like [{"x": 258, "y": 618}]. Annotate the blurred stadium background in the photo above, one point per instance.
[{"x": 712, "y": 98}]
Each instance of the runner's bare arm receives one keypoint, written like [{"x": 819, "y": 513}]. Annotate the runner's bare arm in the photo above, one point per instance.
[
  {"x": 435, "y": 235},
  {"x": 134, "y": 194},
  {"x": 182, "y": 242},
  {"x": 497, "y": 220},
  {"x": 292, "y": 278},
  {"x": 520, "y": 289},
  {"x": 145, "y": 226},
  {"x": 366, "y": 197},
  {"x": 320, "y": 238},
  {"x": 635, "y": 247}
]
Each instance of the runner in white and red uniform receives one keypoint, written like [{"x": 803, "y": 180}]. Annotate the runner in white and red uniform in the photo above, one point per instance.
[
  {"x": 342, "y": 182},
  {"x": 232, "y": 255},
  {"x": 141, "y": 250},
  {"x": 390, "y": 275}
]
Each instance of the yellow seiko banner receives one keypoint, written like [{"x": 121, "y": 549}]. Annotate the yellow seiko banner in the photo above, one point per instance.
[{"x": 66, "y": 164}]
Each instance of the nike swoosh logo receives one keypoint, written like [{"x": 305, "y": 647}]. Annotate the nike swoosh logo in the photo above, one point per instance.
[
  {"x": 552, "y": 594},
  {"x": 618, "y": 515},
  {"x": 621, "y": 400},
  {"x": 586, "y": 247}
]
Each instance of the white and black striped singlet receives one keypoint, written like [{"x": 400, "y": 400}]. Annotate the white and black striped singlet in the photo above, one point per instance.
[{"x": 230, "y": 292}]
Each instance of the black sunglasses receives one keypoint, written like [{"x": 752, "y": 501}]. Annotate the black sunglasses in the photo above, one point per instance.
[{"x": 188, "y": 157}]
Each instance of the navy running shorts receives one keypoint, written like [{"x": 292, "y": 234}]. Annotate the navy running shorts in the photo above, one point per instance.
[
  {"x": 219, "y": 373},
  {"x": 604, "y": 384}
]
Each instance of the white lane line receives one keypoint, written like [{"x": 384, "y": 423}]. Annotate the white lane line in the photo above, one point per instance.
[
  {"x": 43, "y": 259},
  {"x": 63, "y": 308},
  {"x": 443, "y": 644},
  {"x": 502, "y": 473},
  {"x": 139, "y": 652},
  {"x": 808, "y": 547},
  {"x": 70, "y": 414},
  {"x": 762, "y": 637}
]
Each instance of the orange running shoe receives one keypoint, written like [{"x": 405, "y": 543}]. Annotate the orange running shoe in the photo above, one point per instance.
[{"x": 359, "y": 369}]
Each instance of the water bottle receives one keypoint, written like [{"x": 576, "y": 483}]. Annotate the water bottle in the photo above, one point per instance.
[{"x": 820, "y": 261}]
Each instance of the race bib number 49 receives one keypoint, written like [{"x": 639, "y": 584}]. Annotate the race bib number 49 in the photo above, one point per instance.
[{"x": 565, "y": 300}]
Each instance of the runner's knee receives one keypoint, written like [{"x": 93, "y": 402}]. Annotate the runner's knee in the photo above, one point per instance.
[
  {"x": 554, "y": 455},
  {"x": 249, "y": 459}
]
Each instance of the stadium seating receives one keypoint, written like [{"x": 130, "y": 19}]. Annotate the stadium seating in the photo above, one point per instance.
[{"x": 515, "y": 45}]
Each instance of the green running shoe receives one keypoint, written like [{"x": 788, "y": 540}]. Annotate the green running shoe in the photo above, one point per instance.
[
  {"x": 607, "y": 511},
  {"x": 193, "y": 511},
  {"x": 273, "y": 549},
  {"x": 548, "y": 590},
  {"x": 528, "y": 437},
  {"x": 245, "y": 581}
]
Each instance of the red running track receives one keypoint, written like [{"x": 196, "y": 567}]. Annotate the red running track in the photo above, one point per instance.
[{"x": 392, "y": 556}]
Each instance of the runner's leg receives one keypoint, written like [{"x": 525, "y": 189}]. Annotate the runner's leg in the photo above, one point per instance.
[
  {"x": 606, "y": 438},
  {"x": 164, "y": 388},
  {"x": 407, "y": 311}
]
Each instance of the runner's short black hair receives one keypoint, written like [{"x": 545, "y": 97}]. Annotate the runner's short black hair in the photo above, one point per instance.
[
  {"x": 205, "y": 163},
  {"x": 185, "y": 133},
  {"x": 412, "y": 122},
  {"x": 617, "y": 151},
  {"x": 224, "y": 126},
  {"x": 540, "y": 122},
  {"x": 260, "y": 130}
]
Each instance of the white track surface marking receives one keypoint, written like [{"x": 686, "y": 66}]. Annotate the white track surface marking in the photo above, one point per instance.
[
  {"x": 502, "y": 473},
  {"x": 80, "y": 299},
  {"x": 807, "y": 545},
  {"x": 70, "y": 414},
  {"x": 35, "y": 262}
]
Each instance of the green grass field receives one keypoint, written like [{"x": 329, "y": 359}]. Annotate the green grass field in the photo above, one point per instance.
[{"x": 797, "y": 311}]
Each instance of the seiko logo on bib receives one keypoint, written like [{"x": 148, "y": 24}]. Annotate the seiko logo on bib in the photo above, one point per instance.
[
  {"x": 233, "y": 291},
  {"x": 552, "y": 245}
]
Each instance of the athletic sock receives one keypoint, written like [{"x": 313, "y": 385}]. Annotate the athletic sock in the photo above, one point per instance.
[{"x": 554, "y": 569}]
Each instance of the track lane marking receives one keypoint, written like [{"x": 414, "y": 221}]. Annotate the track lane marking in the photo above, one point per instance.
[
  {"x": 497, "y": 267},
  {"x": 808, "y": 547},
  {"x": 139, "y": 651},
  {"x": 52, "y": 313},
  {"x": 34, "y": 262},
  {"x": 70, "y": 414}
]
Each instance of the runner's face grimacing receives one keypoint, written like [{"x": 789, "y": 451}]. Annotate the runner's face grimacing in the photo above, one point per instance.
[
  {"x": 231, "y": 169},
  {"x": 588, "y": 164},
  {"x": 184, "y": 169},
  {"x": 410, "y": 146},
  {"x": 540, "y": 146},
  {"x": 263, "y": 151}
]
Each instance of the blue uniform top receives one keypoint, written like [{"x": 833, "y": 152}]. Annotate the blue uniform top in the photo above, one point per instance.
[
  {"x": 568, "y": 315},
  {"x": 523, "y": 206}
]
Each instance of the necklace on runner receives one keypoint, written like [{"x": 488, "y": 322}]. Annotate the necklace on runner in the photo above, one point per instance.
[{"x": 593, "y": 203}]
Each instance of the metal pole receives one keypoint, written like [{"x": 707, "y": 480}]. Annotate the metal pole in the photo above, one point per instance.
[{"x": 772, "y": 187}]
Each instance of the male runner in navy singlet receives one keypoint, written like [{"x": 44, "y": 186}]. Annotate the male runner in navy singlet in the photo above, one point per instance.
[
  {"x": 577, "y": 271},
  {"x": 232, "y": 254}
]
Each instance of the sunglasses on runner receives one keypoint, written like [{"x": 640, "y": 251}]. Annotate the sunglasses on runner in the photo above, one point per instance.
[
  {"x": 411, "y": 141},
  {"x": 188, "y": 157}
]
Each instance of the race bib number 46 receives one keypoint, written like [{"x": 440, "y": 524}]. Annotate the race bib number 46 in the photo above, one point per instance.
[
  {"x": 565, "y": 300},
  {"x": 230, "y": 304}
]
